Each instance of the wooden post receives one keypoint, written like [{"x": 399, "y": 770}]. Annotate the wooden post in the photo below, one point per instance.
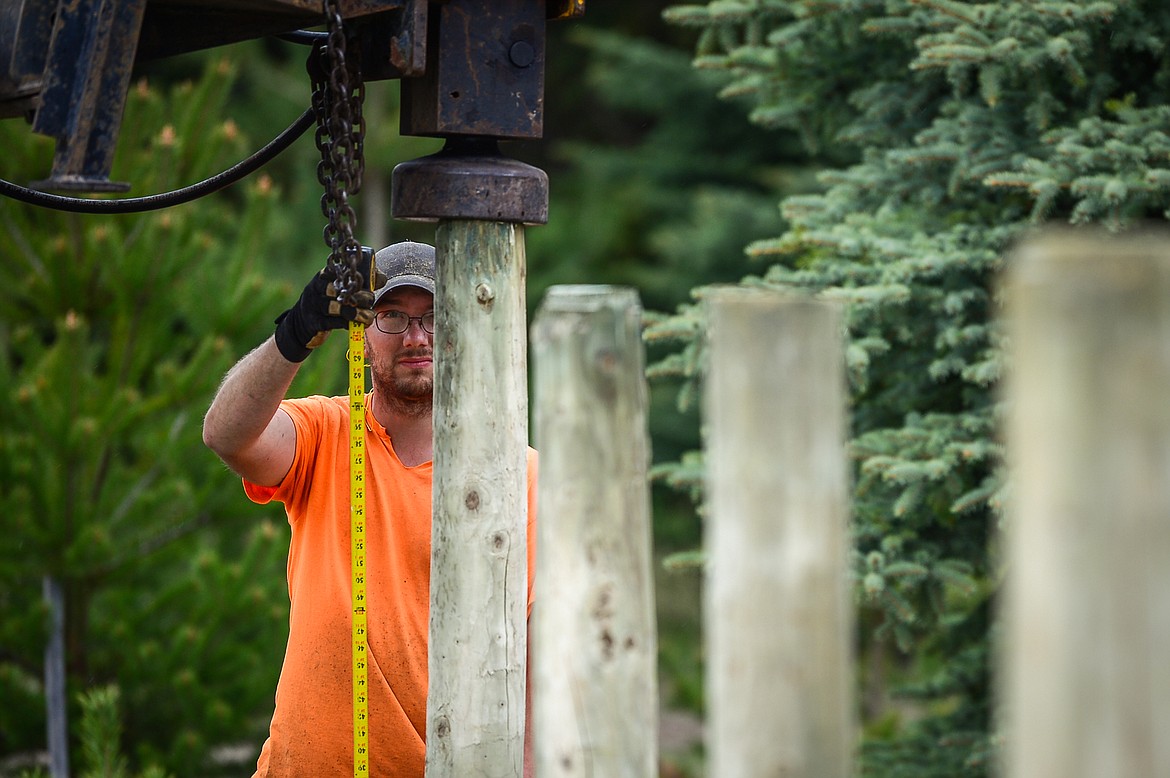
[
  {"x": 475, "y": 702},
  {"x": 594, "y": 639},
  {"x": 1086, "y": 681},
  {"x": 778, "y": 620}
]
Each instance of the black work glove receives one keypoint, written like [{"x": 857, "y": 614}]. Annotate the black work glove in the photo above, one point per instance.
[{"x": 303, "y": 327}]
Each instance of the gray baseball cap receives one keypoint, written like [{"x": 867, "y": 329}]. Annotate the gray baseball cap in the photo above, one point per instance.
[{"x": 406, "y": 264}]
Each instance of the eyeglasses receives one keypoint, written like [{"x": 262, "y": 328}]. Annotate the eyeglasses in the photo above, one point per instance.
[{"x": 397, "y": 322}]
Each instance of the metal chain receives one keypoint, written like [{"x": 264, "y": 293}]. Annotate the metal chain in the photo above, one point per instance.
[{"x": 338, "y": 94}]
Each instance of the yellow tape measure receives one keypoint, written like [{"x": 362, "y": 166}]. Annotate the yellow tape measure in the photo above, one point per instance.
[{"x": 357, "y": 532}]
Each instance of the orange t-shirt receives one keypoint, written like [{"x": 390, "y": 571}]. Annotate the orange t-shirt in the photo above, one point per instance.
[{"x": 312, "y": 727}]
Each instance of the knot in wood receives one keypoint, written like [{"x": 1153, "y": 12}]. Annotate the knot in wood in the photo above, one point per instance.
[
  {"x": 472, "y": 500},
  {"x": 442, "y": 727},
  {"x": 607, "y": 644},
  {"x": 606, "y": 360},
  {"x": 484, "y": 294},
  {"x": 603, "y": 609}
]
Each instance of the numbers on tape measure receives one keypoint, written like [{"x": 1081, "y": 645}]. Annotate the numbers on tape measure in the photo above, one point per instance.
[{"x": 357, "y": 532}]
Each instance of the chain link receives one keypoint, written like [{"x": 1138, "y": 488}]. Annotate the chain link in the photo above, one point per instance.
[{"x": 338, "y": 95}]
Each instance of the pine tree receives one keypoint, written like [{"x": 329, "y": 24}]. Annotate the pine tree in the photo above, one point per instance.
[
  {"x": 972, "y": 122},
  {"x": 114, "y": 332}
]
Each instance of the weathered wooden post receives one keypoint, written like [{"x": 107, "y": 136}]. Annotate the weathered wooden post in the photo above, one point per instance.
[
  {"x": 595, "y": 643},
  {"x": 478, "y": 635},
  {"x": 483, "y": 81},
  {"x": 1086, "y": 679},
  {"x": 778, "y": 616},
  {"x": 475, "y": 709}
]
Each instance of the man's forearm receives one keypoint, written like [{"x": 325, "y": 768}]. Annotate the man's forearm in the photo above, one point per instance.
[{"x": 247, "y": 400}]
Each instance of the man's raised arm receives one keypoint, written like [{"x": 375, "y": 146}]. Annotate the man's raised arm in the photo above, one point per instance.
[{"x": 245, "y": 425}]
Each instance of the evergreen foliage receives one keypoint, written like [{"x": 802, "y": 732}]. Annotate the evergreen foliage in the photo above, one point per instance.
[
  {"x": 971, "y": 122},
  {"x": 114, "y": 332},
  {"x": 100, "y": 733}
]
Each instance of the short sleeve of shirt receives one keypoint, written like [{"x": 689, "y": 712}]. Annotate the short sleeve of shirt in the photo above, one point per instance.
[{"x": 314, "y": 418}]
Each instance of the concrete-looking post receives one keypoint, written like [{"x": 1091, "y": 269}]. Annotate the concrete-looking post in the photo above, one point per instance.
[
  {"x": 1086, "y": 680},
  {"x": 595, "y": 706},
  {"x": 778, "y": 612}
]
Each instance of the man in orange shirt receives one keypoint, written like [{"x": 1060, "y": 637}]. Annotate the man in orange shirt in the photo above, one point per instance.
[{"x": 296, "y": 451}]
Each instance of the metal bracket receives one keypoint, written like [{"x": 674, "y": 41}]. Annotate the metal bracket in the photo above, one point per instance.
[
  {"x": 87, "y": 73},
  {"x": 470, "y": 68},
  {"x": 469, "y": 179},
  {"x": 484, "y": 81},
  {"x": 484, "y": 73},
  {"x": 66, "y": 64}
]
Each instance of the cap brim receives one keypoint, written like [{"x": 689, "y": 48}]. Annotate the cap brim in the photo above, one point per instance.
[{"x": 421, "y": 282}]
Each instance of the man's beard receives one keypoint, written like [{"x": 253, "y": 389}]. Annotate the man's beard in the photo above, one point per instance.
[{"x": 403, "y": 390}]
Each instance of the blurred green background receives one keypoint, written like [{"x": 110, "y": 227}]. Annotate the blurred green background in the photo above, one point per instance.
[{"x": 884, "y": 153}]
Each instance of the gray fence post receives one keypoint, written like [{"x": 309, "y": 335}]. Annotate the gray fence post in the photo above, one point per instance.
[
  {"x": 594, "y": 637},
  {"x": 779, "y": 618},
  {"x": 1086, "y": 674}
]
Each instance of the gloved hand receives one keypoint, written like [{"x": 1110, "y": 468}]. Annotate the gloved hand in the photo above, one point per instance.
[{"x": 303, "y": 327}]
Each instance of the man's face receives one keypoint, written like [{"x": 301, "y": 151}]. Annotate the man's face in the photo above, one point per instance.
[{"x": 402, "y": 365}]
